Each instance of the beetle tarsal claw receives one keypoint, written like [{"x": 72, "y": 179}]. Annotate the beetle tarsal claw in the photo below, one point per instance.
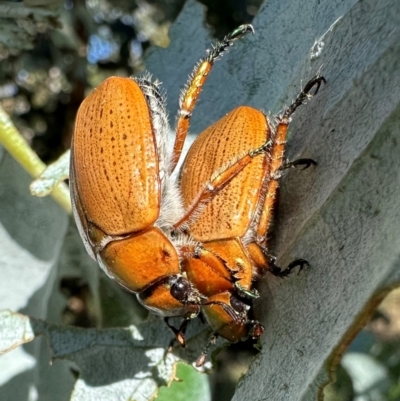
[
  {"x": 282, "y": 273},
  {"x": 305, "y": 163},
  {"x": 305, "y": 94}
]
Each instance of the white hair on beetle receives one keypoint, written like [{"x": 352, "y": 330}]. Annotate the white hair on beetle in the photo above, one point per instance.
[{"x": 171, "y": 208}]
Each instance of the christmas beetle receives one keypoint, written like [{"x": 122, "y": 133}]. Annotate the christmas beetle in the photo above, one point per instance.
[
  {"x": 134, "y": 221},
  {"x": 125, "y": 202},
  {"x": 230, "y": 175}
]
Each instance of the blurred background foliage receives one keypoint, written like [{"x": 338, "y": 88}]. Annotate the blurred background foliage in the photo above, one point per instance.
[
  {"x": 370, "y": 368},
  {"x": 53, "y": 53},
  {"x": 46, "y": 73}
]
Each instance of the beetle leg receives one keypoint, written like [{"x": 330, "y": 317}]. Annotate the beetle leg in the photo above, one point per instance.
[
  {"x": 267, "y": 209},
  {"x": 278, "y": 272},
  {"x": 255, "y": 329},
  {"x": 264, "y": 262},
  {"x": 202, "y": 358},
  {"x": 299, "y": 162},
  {"x": 235, "y": 258},
  {"x": 251, "y": 294},
  {"x": 277, "y": 149},
  {"x": 305, "y": 94},
  {"x": 221, "y": 180},
  {"x": 220, "y": 261},
  {"x": 212, "y": 188},
  {"x": 192, "y": 89},
  {"x": 179, "y": 333}
]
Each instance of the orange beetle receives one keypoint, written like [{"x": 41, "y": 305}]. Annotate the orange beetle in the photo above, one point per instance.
[
  {"x": 234, "y": 197},
  {"x": 130, "y": 213},
  {"x": 124, "y": 200},
  {"x": 118, "y": 174}
]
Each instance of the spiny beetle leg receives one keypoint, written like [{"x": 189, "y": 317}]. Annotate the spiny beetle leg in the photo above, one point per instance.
[
  {"x": 202, "y": 358},
  {"x": 179, "y": 333},
  {"x": 216, "y": 184},
  {"x": 195, "y": 84},
  {"x": 228, "y": 40},
  {"x": 279, "y": 272},
  {"x": 299, "y": 162},
  {"x": 305, "y": 94},
  {"x": 276, "y": 149}
]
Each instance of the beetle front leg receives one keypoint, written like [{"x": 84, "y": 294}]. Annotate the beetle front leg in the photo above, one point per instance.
[{"x": 265, "y": 262}]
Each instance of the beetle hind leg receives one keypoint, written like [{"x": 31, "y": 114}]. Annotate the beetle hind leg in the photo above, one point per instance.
[
  {"x": 192, "y": 90},
  {"x": 279, "y": 272},
  {"x": 276, "y": 149}
]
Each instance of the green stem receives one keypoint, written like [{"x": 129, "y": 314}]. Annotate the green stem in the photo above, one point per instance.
[{"x": 20, "y": 150}]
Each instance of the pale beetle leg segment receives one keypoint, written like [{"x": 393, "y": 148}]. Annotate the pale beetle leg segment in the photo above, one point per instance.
[
  {"x": 178, "y": 333},
  {"x": 194, "y": 86},
  {"x": 277, "y": 150},
  {"x": 202, "y": 358}
]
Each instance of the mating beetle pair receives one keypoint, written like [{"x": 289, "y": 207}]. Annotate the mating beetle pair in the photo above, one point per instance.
[{"x": 190, "y": 246}]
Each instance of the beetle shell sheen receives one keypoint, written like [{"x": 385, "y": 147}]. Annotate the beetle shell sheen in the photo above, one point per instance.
[
  {"x": 231, "y": 212},
  {"x": 115, "y": 158},
  {"x": 116, "y": 187}
]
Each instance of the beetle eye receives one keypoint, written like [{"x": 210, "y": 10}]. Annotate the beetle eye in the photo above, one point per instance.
[
  {"x": 238, "y": 305},
  {"x": 181, "y": 289}
]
